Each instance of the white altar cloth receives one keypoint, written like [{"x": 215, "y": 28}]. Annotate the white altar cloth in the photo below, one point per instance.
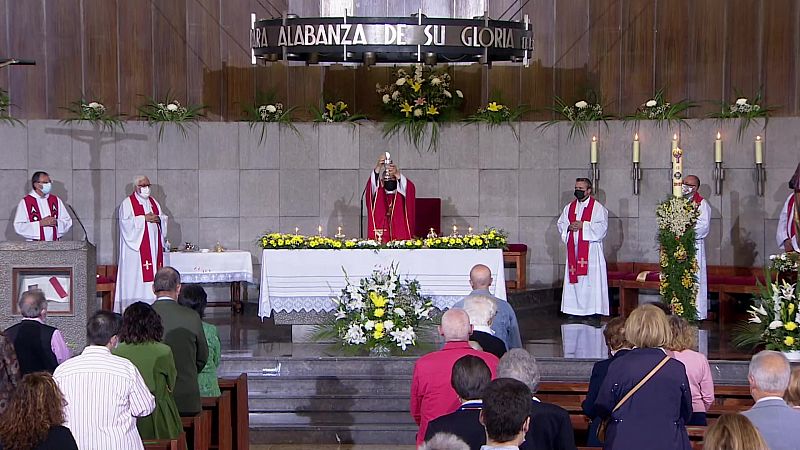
[
  {"x": 212, "y": 267},
  {"x": 305, "y": 280}
]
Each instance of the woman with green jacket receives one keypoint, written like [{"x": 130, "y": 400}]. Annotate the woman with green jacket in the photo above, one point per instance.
[{"x": 194, "y": 296}]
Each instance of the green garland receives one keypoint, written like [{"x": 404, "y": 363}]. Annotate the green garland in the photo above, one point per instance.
[{"x": 678, "y": 260}]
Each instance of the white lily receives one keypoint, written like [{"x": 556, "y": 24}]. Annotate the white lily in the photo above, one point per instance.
[
  {"x": 581, "y": 104},
  {"x": 775, "y": 324},
  {"x": 650, "y": 103},
  {"x": 271, "y": 108},
  {"x": 741, "y": 101}
]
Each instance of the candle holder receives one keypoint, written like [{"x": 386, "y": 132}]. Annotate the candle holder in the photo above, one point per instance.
[
  {"x": 761, "y": 179},
  {"x": 636, "y": 175},
  {"x": 719, "y": 176},
  {"x": 594, "y": 175}
]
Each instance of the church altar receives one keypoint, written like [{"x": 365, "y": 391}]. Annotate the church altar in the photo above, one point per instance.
[
  {"x": 305, "y": 280},
  {"x": 231, "y": 266}
]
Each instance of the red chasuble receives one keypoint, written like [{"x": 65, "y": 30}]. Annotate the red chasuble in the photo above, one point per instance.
[
  {"x": 148, "y": 268},
  {"x": 394, "y": 213},
  {"x": 578, "y": 264},
  {"x": 34, "y": 215},
  {"x": 697, "y": 198}
]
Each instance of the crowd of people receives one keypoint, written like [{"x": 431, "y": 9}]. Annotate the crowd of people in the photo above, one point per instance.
[{"x": 139, "y": 373}]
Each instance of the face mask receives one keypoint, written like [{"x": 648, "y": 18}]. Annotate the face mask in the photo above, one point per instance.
[
  {"x": 579, "y": 194},
  {"x": 390, "y": 185},
  {"x": 46, "y": 187},
  {"x": 144, "y": 192},
  {"x": 687, "y": 190}
]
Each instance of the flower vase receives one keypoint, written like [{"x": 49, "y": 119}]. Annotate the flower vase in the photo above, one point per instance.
[
  {"x": 381, "y": 351},
  {"x": 792, "y": 355}
]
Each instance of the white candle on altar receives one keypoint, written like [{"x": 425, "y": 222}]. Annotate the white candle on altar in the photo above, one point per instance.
[
  {"x": 339, "y": 229},
  {"x": 469, "y": 230},
  {"x": 593, "y": 152},
  {"x": 296, "y": 230},
  {"x": 455, "y": 229},
  {"x": 674, "y": 141},
  {"x": 636, "y": 147},
  {"x": 718, "y": 148},
  {"x": 319, "y": 230},
  {"x": 759, "y": 150}
]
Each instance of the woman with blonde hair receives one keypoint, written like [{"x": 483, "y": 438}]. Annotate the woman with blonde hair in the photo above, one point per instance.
[
  {"x": 683, "y": 343},
  {"x": 733, "y": 432},
  {"x": 645, "y": 395},
  {"x": 792, "y": 395},
  {"x": 35, "y": 419}
]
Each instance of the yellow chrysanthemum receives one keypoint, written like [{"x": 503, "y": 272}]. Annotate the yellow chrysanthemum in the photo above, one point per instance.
[
  {"x": 790, "y": 326},
  {"x": 379, "y": 312},
  {"x": 280, "y": 241},
  {"x": 494, "y": 107},
  {"x": 788, "y": 340},
  {"x": 406, "y": 108}
]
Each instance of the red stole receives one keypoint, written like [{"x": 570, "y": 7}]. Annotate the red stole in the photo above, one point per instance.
[
  {"x": 697, "y": 198},
  {"x": 148, "y": 269},
  {"x": 578, "y": 264},
  {"x": 394, "y": 213},
  {"x": 34, "y": 215},
  {"x": 792, "y": 219}
]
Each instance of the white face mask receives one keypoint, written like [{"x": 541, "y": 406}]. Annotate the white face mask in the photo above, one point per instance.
[
  {"x": 687, "y": 190},
  {"x": 46, "y": 187},
  {"x": 144, "y": 192}
]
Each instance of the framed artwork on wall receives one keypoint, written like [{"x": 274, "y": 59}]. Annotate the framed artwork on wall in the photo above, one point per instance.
[{"x": 54, "y": 282}]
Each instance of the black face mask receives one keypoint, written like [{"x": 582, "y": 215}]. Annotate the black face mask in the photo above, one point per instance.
[
  {"x": 579, "y": 194},
  {"x": 390, "y": 185}
]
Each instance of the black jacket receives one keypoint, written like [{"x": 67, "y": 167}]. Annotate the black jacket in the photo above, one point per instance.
[
  {"x": 464, "y": 423},
  {"x": 31, "y": 340},
  {"x": 550, "y": 428},
  {"x": 489, "y": 343}
]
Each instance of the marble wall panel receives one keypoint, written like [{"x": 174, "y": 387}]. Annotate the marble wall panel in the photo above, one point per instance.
[
  {"x": 15, "y": 147},
  {"x": 219, "y": 146},
  {"x": 499, "y": 146},
  {"x": 179, "y": 151},
  {"x": 92, "y": 147},
  {"x": 258, "y": 153},
  {"x": 299, "y": 193},
  {"x": 218, "y": 193},
  {"x": 338, "y": 146},
  {"x": 259, "y": 193}
]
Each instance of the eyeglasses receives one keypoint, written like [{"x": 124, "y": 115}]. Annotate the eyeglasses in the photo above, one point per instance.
[{"x": 143, "y": 185}]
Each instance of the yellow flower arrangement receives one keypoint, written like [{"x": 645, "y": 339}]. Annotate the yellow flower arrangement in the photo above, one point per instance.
[
  {"x": 790, "y": 326},
  {"x": 378, "y": 300},
  {"x": 490, "y": 238},
  {"x": 379, "y": 312},
  {"x": 788, "y": 340}
]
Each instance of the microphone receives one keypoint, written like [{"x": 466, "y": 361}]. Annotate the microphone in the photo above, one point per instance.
[
  {"x": 361, "y": 213},
  {"x": 17, "y": 62},
  {"x": 78, "y": 219}
]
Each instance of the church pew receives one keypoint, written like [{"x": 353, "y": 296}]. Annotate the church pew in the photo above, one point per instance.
[
  {"x": 166, "y": 444},
  {"x": 198, "y": 430},
  {"x": 240, "y": 412},
  {"x": 221, "y": 420}
]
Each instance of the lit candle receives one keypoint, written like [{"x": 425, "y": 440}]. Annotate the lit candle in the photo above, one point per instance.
[
  {"x": 759, "y": 150},
  {"x": 636, "y": 148},
  {"x": 675, "y": 141},
  {"x": 339, "y": 229},
  {"x": 296, "y": 230},
  {"x": 718, "y": 148},
  {"x": 469, "y": 230},
  {"x": 319, "y": 230},
  {"x": 455, "y": 229},
  {"x": 593, "y": 154}
]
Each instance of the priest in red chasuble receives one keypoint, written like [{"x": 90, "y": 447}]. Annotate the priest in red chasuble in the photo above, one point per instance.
[
  {"x": 41, "y": 216},
  {"x": 390, "y": 202}
]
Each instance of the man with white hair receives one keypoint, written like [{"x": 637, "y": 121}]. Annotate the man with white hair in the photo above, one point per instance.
[
  {"x": 481, "y": 311},
  {"x": 505, "y": 324},
  {"x": 39, "y": 346},
  {"x": 551, "y": 426},
  {"x": 142, "y": 230},
  {"x": 432, "y": 394},
  {"x": 776, "y": 421}
]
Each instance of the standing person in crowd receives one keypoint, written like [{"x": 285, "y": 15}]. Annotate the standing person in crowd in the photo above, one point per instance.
[
  {"x": 470, "y": 376},
  {"x": 506, "y": 405},
  {"x": 792, "y": 395},
  {"x": 446, "y": 441},
  {"x": 550, "y": 425},
  {"x": 481, "y": 311},
  {"x": 777, "y": 422},
  {"x": 614, "y": 334},
  {"x": 39, "y": 347},
  {"x": 193, "y": 296},
  {"x": 41, "y": 216},
  {"x": 683, "y": 343},
  {"x": 35, "y": 417},
  {"x": 183, "y": 332},
  {"x": 104, "y": 393},
  {"x": 733, "y": 432},
  {"x": 140, "y": 343},
  {"x": 690, "y": 190},
  {"x": 788, "y": 233},
  {"x": 505, "y": 324},
  {"x": 663, "y": 401},
  {"x": 9, "y": 371}
]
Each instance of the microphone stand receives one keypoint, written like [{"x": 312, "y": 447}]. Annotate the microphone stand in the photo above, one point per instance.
[
  {"x": 78, "y": 219},
  {"x": 361, "y": 213}
]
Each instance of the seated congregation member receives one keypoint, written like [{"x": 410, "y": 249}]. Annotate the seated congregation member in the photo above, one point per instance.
[
  {"x": 183, "y": 332},
  {"x": 658, "y": 384},
  {"x": 447, "y": 441},
  {"x": 733, "y": 432},
  {"x": 777, "y": 422},
  {"x": 9, "y": 370},
  {"x": 104, "y": 393},
  {"x": 614, "y": 334},
  {"x": 792, "y": 395},
  {"x": 140, "y": 343},
  {"x": 550, "y": 426},
  {"x": 684, "y": 341},
  {"x": 481, "y": 311},
  {"x": 506, "y": 404},
  {"x": 193, "y": 296},
  {"x": 39, "y": 347},
  {"x": 505, "y": 324},
  {"x": 469, "y": 378},
  {"x": 35, "y": 418},
  {"x": 432, "y": 393}
]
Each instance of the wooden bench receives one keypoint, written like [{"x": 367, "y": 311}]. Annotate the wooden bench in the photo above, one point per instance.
[
  {"x": 221, "y": 420},
  {"x": 198, "y": 430},
  {"x": 515, "y": 256},
  {"x": 178, "y": 443},
  {"x": 106, "y": 286},
  {"x": 240, "y": 412}
]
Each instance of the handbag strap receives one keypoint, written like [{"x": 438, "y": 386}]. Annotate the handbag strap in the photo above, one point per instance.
[{"x": 641, "y": 383}]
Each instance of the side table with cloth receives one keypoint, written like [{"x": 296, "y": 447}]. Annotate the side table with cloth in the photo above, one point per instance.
[
  {"x": 294, "y": 281},
  {"x": 231, "y": 266}
]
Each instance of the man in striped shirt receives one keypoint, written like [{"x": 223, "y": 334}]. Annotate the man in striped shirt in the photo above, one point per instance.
[{"x": 104, "y": 393}]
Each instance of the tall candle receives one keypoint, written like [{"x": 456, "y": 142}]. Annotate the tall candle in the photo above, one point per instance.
[
  {"x": 677, "y": 172},
  {"x": 674, "y": 141},
  {"x": 636, "y": 148},
  {"x": 339, "y": 229},
  {"x": 593, "y": 153},
  {"x": 718, "y": 148},
  {"x": 296, "y": 230},
  {"x": 469, "y": 230},
  {"x": 319, "y": 230},
  {"x": 455, "y": 229},
  {"x": 759, "y": 150}
]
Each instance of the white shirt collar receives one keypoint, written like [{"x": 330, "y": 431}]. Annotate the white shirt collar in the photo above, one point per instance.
[
  {"x": 35, "y": 195},
  {"x": 484, "y": 328},
  {"x": 33, "y": 318},
  {"x": 96, "y": 349},
  {"x": 769, "y": 397}
]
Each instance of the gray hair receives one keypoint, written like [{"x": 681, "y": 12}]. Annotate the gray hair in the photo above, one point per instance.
[
  {"x": 139, "y": 178},
  {"x": 32, "y": 303},
  {"x": 444, "y": 441},
  {"x": 167, "y": 279},
  {"x": 455, "y": 325},
  {"x": 481, "y": 309},
  {"x": 770, "y": 371},
  {"x": 520, "y": 365}
]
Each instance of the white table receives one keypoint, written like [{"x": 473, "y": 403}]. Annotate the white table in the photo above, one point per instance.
[
  {"x": 305, "y": 280},
  {"x": 231, "y": 266}
]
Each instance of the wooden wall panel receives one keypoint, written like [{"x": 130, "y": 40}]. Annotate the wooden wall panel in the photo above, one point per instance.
[
  {"x": 339, "y": 84},
  {"x": 366, "y": 99},
  {"x": 572, "y": 49},
  {"x": 706, "y": 58},
  {"x": 4, "y": 42},
  {"x": 605, "y": 54},
  {"x": 203, "y": 62},
  {"x": 743, "y": 50},
  {"x": 64, "y": 60},
  {"x": 238, "y": 72},
  {"x": 169, "y": 37},
  {"x": 638, "y": 71},
  {"x": 100, "y": 52},
  {"x": 537, "y": 84},
  {"x": 672, "y": 53},
  {"x": 26, "y": 31},
  {"x": 469, "y": 80},
  {"x": 780, "y": 53},
  {"x": 135, "y": 55}
]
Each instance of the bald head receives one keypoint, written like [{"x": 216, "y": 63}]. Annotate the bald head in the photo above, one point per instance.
[
  {"x": 455, "y": 325},
  {"x": 480, "y": 277},
  {"x": 769, "y": 374},
  {"x": 692, "y": 179}
]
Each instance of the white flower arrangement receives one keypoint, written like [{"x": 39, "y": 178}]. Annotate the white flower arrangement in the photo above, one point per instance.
[
  {"x": 774, "y": 318},
  {"x": 167, "y": 111},
  {"x": 677, "y": 215},
  {"x": 743, "y": 108},
  {"x": 785, "y": 262},
  {"x": 270, "y": 113},
  {"x": 658, "y": 109},
  {"x": 93, "y": 112}
]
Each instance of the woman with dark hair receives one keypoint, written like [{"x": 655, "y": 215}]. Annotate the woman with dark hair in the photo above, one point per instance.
[
  {"x": 193, "y": 296},
  {"x": 140, "y": 343},
  {"x": 9, "y": 371},
  {"x": 34, "y": 419}
]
